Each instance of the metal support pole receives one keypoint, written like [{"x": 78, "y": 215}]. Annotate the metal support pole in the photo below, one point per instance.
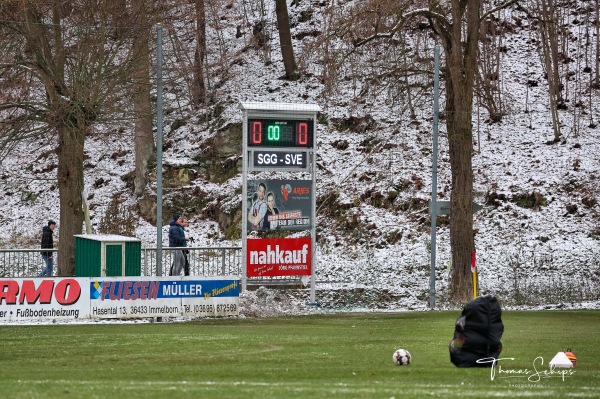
[
  {"x": 313, "y": 231},
  {"x": 436, "y": 93},
  {"x": 159, "y": 140},
  {"x": 244, "y": 202}
]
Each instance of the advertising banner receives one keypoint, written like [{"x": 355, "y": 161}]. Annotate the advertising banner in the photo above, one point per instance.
[
  {"x": 120, "y": 297},
  {"x": 279, "y": 205},
  {"x": 117, "y": 297},
  {"x": 43, "y": 298},
  {"x": 271, "y": 257}
]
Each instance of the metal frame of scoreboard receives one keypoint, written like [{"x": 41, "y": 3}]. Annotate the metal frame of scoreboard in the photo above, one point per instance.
[{"x": 279, "y": 137}]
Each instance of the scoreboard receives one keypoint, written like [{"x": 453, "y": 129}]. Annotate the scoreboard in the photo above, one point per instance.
[
  {"x": 279, "y": 137},
  {"x": 289, "y": 133}
]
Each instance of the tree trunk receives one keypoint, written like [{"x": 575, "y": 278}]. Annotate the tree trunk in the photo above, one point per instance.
[
  {"x": 488, "y": 78},
  {"x": 71, "y": 139},
  {"x": 70, "y": 186},
  {"x": 199, "y": 87},
  {"x": 327, "y": 74},
  {"x": 597, "y": 61},
  {"x": 261, "y": 33},
  {"x": 461, "y": 62},
  {"x": 144, "y": 138},
  {"x": 462, "y": 243},
  {"x": 285, "y": 39},
  {"x": 551, "y": 21},
  {"x": 549, "y": 43}
]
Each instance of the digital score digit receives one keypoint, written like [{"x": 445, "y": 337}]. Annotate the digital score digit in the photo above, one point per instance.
[{"x": 280, "y": 133}]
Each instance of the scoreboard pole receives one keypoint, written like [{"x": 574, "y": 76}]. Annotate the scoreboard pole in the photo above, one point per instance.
[
  {"x": 313, "y": 232},
  {"x": 244, "y": 197},
  {"x": 279, "y": 137}
]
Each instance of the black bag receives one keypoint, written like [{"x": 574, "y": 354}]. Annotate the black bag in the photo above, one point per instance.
[{"x": 477, "y": 333}]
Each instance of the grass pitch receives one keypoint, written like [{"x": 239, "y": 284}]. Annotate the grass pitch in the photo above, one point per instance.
[{"x": 321, "y": 356}]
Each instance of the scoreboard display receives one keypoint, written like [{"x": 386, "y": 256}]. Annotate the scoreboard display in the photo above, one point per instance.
[
  {"x": 291, "y": 133},
  {"x": 278, "y": 137}
]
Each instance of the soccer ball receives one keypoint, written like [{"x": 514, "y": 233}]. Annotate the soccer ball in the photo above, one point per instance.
[{"x": 401, "y": 357}]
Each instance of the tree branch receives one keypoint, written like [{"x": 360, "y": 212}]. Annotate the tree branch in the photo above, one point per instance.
[
  {"x": 421, "y": 12},
  {"x": 498, "y": 8}
]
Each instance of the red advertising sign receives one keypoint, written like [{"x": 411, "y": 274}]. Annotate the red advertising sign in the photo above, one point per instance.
[{"x": 270, "y": 257}]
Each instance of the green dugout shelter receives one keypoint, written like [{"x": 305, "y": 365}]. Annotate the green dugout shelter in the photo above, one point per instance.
[{"x": 106, "y": 255}]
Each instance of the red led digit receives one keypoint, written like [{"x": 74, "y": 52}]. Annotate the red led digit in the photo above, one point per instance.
[
  {"x": 256, "y": 132},
  {"x": 302, "y": 133}
]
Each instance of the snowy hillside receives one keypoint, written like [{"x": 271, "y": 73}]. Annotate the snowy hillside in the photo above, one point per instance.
[{"x": 537, "y": 237}]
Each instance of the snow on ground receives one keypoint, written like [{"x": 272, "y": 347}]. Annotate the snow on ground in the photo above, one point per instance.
[{"x": 545, "y": 256}]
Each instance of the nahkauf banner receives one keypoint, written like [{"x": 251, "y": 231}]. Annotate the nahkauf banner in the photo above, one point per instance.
[
  {"x": 271, "y": 257},
  {"x": 279, "y": 205}
]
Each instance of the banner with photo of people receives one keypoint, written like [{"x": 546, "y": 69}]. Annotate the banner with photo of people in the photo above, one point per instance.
[{"x": 280, "y": 205}]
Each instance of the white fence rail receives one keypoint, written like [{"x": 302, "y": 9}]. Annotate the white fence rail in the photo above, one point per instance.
[{"x": 204, "y": 261}]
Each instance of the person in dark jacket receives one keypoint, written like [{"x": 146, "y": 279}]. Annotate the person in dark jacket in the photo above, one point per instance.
[
  {"x": 177, "y": 239},
  {"x": 47, "y": 243},
  {"x": 176, "y": 233}
]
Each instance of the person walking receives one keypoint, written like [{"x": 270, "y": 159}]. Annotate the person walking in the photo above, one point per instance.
[
  {"x": 177, "y": 239},
  {"x": 47, "y": 243}
]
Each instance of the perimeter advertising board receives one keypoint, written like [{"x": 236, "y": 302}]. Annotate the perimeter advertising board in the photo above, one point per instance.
[
  {"x": 40, "y": 298},
  {"x": 279, "y": 205},
  {"x": 272, "y": 257},
  {"x": 117, "y": 297}
]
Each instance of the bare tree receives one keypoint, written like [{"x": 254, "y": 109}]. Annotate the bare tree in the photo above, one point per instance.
[
  {"x": 460, "y": 39},
  {"x": 546, "y": 12},
  {"x": 144, "y": 138},
  {"x": 285, "y": 39},
  {"x": 329, "y": 55},
  {"x": 71, "y": 76},
  {"x": 261, "y": 33},
  {"x": 118, "y": 16},
  {"x": 457, "y": 24},
  {"x": 597, "y": 61},
  {"x": 388, "y": 65},
  {"x": 489, "y": 77},
  {"x": 590, "y": 61},
  {"x": 199, "y": 87}
]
